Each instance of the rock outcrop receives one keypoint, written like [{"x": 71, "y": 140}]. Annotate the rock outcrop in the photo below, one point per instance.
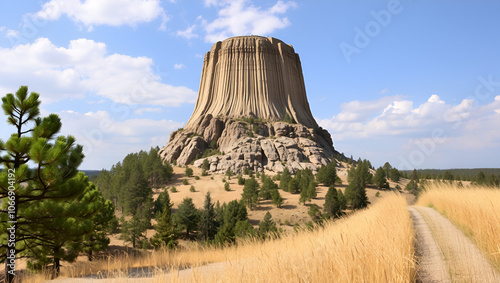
[{"x": 252, "y": 111}]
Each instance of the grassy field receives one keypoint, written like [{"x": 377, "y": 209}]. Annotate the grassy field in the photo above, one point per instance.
[
  {"x": 372, "y": 245},
  {"x": 475, "y": 210}
]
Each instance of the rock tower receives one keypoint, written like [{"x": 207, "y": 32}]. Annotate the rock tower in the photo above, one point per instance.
[{"x": 252, "y": 111}]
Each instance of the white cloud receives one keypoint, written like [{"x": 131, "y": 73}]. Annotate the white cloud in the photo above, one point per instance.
[
  {"x": 241, "y": 17},
  {"x": 85, "y": 67},
  {"x": 104, "y": 12},
  {"x": 188, "y": 32},
  {"x": 179, "y": 66},
  {"x": 106, "y": 140},
  {"x": 433, "y": 134},
  {"x": 141, "y": 111}
]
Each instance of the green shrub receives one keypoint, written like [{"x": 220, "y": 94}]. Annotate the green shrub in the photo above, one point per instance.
[
  {"x": 185, "y": 182},
  {"x": 173, "y": 189},
  {"x": 241, "y": 181},
  {"x": 204, "y": 172},
  {"x": 197, "y": 177},
  {"x": 188, "y": 172},
  {"x": 192, "y": 189},
  {"x": 226, "y": 187}
]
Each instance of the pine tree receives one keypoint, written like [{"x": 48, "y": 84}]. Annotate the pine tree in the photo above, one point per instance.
[
  {"x": 98, "y": 239},
  {"x": 308, "y": 194},
  {"x": 356, "y": 190},
  {"x": 250, "y": 195},
  {"x": 187, "y": 216},
  {"x": 208, "y": 224},
  {"x": 166, "y": 232},
  {"x": 162, "y": 203},
  {"x": 294, "y": 185},
  {"x": 394, "y": 175},
  {"x": 332, "y": 204},
  {"x": 61, "y": 227},
  {"x": 380, "y": 179},
  {"x": 134, "y": 230},
  {"x": 53, "y": 182},
  {"x": 267, "y": 226},
  {"x": 327, "y": 174},
  {"x": 267, "y": 187},
  {"x": 276, "y": 197},
  {"x": 233, "y": 213},
  {"x": 285, "y": 179}
]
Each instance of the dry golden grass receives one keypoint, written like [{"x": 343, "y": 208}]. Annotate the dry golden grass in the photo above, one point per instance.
[
  {"x": 475, "y": 210},
  {"x": 373, "y": 245}
]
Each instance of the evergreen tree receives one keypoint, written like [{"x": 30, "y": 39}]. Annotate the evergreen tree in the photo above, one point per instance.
[
  {"x": 394, "y": 175},
  {"x": 233, "y": 213},
  {"x": 166, "y": 232},
  {"x": 267, "y": 187},
  {"x": 356, "y": 190},
  {"x": 134, "y": 230},
  {"x": 387, "y": 169},
  {"x": 294, "y": 185},
  {"x": 250, "y": 195},
  {"x": 207, "y": 227},
  {"x": 98, "y": 240},
  {"x": 327, "y": 174},
  {"x": 59, "y": 228},
  {"x": 243, "y": 229},
  {"x": 341, "y": 199},
  {"x": 308, "y": 194},
  {"x": 187, "y": 216},
  {"x": 285, "y": 179},
  {"x": 412, "y": 187},
  {"x": 241, "y": 180},
  {"x": 315, "y": 213},
  {"x": 276, "y": 197},
  {"x": 162, "y": 203},
  {"x": 188, "y": 172},
  {"x": 267, "y": 226},
  {"x": 380, "y": 179},
  {"x": 55, "y": 180},
  {"x": 332, "y": 205}
]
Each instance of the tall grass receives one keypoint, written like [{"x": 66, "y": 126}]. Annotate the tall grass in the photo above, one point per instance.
[
  {"x": 475, "y": 210},
  {"x": 373, "y": 245}
]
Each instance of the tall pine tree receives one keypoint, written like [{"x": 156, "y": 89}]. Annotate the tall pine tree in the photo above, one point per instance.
[{"x": 52, "y": 185}]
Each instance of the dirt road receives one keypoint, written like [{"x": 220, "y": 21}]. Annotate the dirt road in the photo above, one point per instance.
[{"x": 445, "y": 253}]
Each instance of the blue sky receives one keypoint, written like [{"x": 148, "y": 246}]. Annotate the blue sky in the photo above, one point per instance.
[{"x": 415, "y": 83}]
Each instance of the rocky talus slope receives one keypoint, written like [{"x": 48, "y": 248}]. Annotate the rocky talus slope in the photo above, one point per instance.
[{"x": 258, "y": 146}]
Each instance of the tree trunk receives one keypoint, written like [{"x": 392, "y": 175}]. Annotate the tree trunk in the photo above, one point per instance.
[
  {"x": 57, "y": 266},
  {"x": 89, "y": 255}
]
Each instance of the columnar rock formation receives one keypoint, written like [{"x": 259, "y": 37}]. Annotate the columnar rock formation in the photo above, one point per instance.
[{"x": 252, "y": 109}]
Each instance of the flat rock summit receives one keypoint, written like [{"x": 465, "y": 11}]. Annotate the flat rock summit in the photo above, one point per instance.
[{"x": 252, "y": 112}]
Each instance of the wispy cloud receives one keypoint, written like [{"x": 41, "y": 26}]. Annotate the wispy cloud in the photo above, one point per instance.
[
  {"x": 241, "y": 17},
  {"x": 188, "y": 32}
]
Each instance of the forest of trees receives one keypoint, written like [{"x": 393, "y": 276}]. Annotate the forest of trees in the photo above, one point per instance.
[{"x": 479, "y": 176}]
